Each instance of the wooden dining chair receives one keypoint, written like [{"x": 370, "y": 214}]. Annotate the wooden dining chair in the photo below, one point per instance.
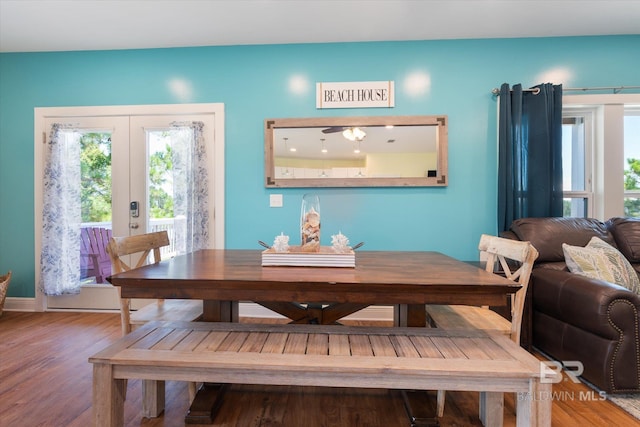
[
  {"x": 143, "y": 246},
  {"x": 512, "y": 258},
  {"x": 164, "y": 310}
]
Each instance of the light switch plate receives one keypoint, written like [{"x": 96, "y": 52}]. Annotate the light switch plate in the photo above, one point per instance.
[{"x": 275, "y": 200}]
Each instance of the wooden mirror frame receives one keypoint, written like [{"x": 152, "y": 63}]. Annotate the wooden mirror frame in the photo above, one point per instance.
[{"x": 440, "y": 180}]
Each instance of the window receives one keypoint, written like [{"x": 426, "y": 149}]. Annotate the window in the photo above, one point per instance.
[
  {"x": 632, "y": 163},
  {"x": 601, "y": 155},
  {"x": 576, "y": 162}
]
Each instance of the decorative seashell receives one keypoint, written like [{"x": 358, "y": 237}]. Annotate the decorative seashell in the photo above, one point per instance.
[
  {"x": 340, "y": 243},
  {"x": 281, "y": 243}
]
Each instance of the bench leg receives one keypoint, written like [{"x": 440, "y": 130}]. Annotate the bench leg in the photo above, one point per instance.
[
  {"x": 534, "y": 408},
  {"x": 491, "y": 409},
  {"x": 152, "y": 398},
  {"x": 108, "y": 397},
  {"x": 543, "y": 406}
]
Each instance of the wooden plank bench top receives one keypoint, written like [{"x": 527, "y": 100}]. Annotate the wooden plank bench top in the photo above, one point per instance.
[{"x": 332, "y": 356}]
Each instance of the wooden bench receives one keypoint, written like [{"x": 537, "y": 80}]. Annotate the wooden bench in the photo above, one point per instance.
[{"x": 314, "y": 355}]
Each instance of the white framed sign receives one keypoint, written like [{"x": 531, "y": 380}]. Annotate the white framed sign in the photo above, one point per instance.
[{"x": 355, "y": 95}]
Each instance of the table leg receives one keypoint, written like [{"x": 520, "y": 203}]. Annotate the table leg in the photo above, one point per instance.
[
  {"x": 410, "y": 315},
  {"x": 205, "y": 405},
  {"x": 220, "y": 311},
  {"x": 420, "y": 405},
  {"x": 314, "y": 314},
  {"x": 208, "y": 398}
]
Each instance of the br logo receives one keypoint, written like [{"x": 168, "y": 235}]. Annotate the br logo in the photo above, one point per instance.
[{"x": 551, "y": 371}]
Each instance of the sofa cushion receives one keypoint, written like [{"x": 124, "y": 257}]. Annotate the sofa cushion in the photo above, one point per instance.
[
  {"x": 626, "y": 232},
  {"x": 600, "y": 260},
  {"x": 548, "y": 234}
]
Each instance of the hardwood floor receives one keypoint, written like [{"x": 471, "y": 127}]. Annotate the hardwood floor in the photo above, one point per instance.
[{"x": 45, "y": 380}]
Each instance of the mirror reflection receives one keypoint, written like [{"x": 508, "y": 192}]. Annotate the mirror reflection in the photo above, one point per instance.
[{"x": 357, "y": 152}]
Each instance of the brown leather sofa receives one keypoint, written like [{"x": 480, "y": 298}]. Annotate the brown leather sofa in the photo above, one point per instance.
[{"x": 576, "y": 318}]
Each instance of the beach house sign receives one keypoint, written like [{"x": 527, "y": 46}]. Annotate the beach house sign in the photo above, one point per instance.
[{"x": 355, "y": 95}]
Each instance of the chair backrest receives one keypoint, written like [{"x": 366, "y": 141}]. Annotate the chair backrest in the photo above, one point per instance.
[
  {"x": 143, "y": 244},
  {"x": 501, "y": 250}
]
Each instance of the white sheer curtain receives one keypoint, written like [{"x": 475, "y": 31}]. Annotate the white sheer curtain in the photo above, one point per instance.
[
  {"x": 61, "y": 215},
  {"x": 190, "y": 186}
]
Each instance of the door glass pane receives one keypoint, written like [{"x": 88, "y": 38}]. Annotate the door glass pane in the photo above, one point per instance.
[
  {"x": 95, "y": 187},
  {"x": 632, "y": 164},
  {"x": 160, "y": 188}
]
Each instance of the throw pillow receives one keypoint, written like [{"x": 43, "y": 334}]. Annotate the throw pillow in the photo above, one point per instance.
[{"x": 599, "y": 260}]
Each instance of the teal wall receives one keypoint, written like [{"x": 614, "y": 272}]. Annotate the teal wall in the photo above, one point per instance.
[{"x": 253, "y": 83}]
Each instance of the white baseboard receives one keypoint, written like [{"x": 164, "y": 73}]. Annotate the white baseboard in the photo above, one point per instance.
[
  {"x": 20, "y": 304},
  {"x": 248, "y": 309}
]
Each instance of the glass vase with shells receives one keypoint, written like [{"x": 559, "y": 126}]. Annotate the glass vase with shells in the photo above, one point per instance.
[{"x": 310, "y": 223}]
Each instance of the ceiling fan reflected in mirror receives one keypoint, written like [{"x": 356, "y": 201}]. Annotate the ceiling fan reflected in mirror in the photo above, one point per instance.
[
  {"x": 334, "y": 129},
  {"x": 353, "y": 133}
]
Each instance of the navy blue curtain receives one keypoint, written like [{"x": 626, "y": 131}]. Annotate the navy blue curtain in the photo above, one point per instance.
[{"x": 529, "y": 153}]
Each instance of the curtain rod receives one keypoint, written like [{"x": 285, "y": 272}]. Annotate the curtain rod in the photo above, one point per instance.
[
  {"x": 535, "y": 91},
  {"x": 615, "y": 89}
]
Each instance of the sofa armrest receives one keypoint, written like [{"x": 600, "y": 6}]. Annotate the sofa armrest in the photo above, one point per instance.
[{"x": 593, "y": 305}]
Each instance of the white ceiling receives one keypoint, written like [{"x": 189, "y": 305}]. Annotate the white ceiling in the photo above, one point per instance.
[{"x": 62, "y": 25}]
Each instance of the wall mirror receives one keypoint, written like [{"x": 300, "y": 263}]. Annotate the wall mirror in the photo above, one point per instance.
[{"x": 386, "y": 151}]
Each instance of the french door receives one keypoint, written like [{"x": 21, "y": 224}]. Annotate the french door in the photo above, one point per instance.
[{"x": 127, "y": 186}]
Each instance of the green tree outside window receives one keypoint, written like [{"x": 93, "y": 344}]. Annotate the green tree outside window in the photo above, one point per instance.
[
  {"x": 95, "y": 164},
  {"x": 632, "y": 182}
]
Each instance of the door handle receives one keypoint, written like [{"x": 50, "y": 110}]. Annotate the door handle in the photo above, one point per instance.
[{"x": 134, "y": 225}]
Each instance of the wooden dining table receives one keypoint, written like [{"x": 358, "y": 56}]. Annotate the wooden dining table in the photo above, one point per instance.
[
  {"x": 323, "y": 295},
  {"x": 406, "y": 280}
]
